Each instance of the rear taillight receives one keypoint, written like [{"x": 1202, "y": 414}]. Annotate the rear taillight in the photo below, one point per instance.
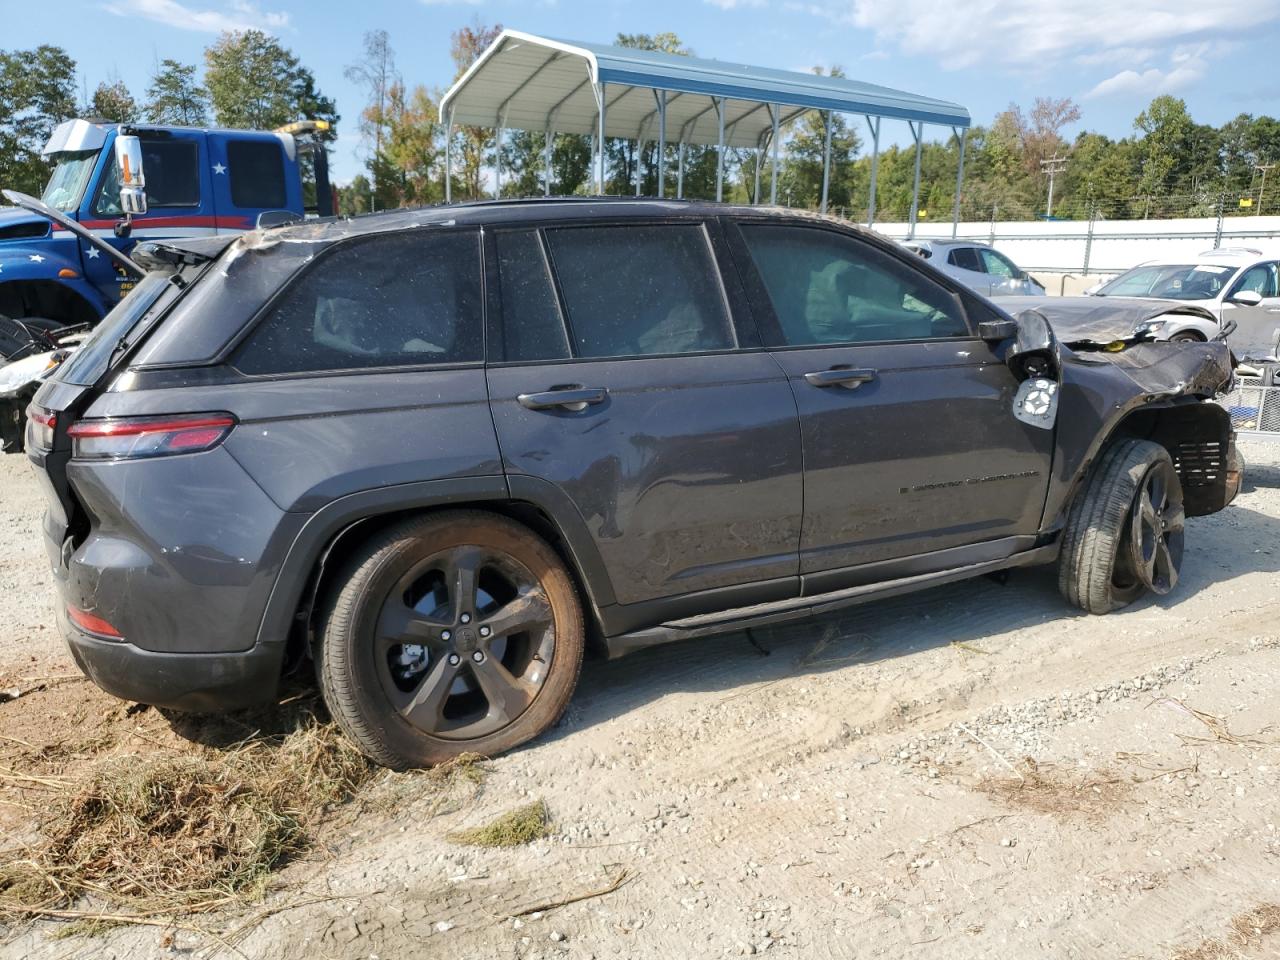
[
  {"x": 40, "y": 426},
  {"x": 91, "y": 623},
  {"x": 137, "y": 437}
]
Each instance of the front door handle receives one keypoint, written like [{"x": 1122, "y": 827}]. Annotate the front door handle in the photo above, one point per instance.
[
  {"x": 849, "y": 379},
  {"x": 567, "y": 398}
]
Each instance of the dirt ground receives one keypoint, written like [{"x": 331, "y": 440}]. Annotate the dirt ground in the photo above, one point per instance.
[{"x": 975, "y": 771}]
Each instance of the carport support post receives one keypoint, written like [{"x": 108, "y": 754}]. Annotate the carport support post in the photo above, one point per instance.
[
  {"x": 755, "y": 194},
  {"x": 546, "y": 163},
  {"x": 680, "y": 171},
  {"x": 826, "y": 161},
  {"x": 720, "y": 151},
  {"x": 662, "y": 142},
  {"x": 917, "y": 131},
  {"x": 497, "y": 156},
  {"x": 955, "y": 207},
  {"x": 874, "y": 124},
  {"x": 448, "y": 157},
  {"x": 600, "y": 97},
  {"x": 773, "y": 173}
]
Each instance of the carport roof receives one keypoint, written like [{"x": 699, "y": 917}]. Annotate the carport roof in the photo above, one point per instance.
[{"x": 527, "y": 82}]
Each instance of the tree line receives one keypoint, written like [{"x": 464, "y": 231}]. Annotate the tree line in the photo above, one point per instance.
[{"x": 1170, "y": 164}]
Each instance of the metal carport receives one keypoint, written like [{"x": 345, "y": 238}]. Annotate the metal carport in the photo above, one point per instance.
[{"x": 531, "y": 83}]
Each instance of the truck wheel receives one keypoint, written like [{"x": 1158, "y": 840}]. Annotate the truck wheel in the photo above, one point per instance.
[
  {"x": 452, "y": 633},
  {"x": 1124, "y": 533}
]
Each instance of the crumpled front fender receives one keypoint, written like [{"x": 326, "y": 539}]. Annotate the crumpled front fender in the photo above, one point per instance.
[{"x": 1103, "y": 394}]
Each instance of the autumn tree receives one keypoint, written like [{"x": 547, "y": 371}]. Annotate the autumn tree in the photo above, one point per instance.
[
  {"x": 175, "y": 98},
  {"x": 376, "y": 73},
  {"x": 473, "y": 145}
]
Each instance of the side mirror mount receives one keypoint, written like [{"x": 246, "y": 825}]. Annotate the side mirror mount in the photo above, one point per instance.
[
  {"x": 133, "y": 193},
  {"x": 993, "y": 331},
  {"x": 1245, "y": 298},
  {"x": 1034, "y": 351}
]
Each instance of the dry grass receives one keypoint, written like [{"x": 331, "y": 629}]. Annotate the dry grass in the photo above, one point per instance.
[
  {"x": 1044, "y": 789},
  {"x": 520, "y": 826},
  {"x": 143, "y": 819},
  {"x": 1248, "y": 930}
]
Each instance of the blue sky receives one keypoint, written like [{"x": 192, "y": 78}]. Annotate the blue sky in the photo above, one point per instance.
[{"x": 1112, "y": 57}]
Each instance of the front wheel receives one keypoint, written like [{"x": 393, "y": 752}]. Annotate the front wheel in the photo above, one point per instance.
[
  {"x": 1186, "y": 336},
  {"x": 459, "y": 632},
  {"x": 1124, "y": 532}
]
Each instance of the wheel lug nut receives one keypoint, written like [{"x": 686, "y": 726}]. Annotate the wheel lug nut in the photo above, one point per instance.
[
  {"x": 465, "y": 618},
  {"x": 478, "y": 657},
  {"x": 485, "y": 631},
  {"x": 446, "y": 635},
  {"x": 454, "y": 659}
]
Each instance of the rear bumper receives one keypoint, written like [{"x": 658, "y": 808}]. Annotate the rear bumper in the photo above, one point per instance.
[{"x": 194, "y": 682}]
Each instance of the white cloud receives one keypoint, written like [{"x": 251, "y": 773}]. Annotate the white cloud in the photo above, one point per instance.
[
  {"x": 1029, "y": 33},
  {"x": 1186, "y": 66},
  {"x": 236, "y": 15}
]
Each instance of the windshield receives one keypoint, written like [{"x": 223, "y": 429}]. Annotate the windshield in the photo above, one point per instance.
[
  {"x": 87, "y": 365},
  {"x": 1171, "y": 282},
  {"x": 66, "y": 185}
]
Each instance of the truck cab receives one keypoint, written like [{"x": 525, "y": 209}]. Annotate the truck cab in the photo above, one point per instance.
[{"x": 199, "y": 182}]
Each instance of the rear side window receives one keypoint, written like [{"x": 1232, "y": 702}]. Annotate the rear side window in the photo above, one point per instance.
[
  {"x": 257, "y": 173},
  {"x": 640, "y": 290},
  {"x": 532, "y": 328},
  {"x": 172, "y": 171},
  {"x": 966, "y": 258},
  {"x": 826, "y": 287},
  {"x": 393, "y": 300}
]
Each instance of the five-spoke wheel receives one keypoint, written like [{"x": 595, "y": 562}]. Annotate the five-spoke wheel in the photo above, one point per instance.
[{"x": 457, "y": 632}]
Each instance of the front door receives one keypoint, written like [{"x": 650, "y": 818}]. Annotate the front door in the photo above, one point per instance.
[
  {"x": 619, "y": 376},
  {"x": 910, "y": 444},
  {"x": 1257, "y": 327}
]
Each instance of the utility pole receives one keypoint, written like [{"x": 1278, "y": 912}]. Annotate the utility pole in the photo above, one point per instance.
[
  {"x": 1052, "y": 165},
  {"x": 1262, "y": 189}
]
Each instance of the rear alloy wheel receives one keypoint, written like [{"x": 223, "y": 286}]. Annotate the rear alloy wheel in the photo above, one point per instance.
[
  {"x": 458, "y": 632},
  {"x": 1124, "y": 532},
  {"x": 1186, "y": 337}
]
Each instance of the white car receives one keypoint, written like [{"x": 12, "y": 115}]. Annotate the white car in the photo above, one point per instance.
[
  {"x": 978, "y": 266},
  {"x": 1231, "y": 284}
]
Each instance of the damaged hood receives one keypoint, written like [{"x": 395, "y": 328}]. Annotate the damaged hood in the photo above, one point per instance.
[
  {"x": 1099, "y": 319},
  {"x": 1163, "y": 370}
]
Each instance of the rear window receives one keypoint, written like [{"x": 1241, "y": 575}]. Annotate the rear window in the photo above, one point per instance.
[
  {"x": 257, "y": 173},
  {"x": 640, "y": 290},
  {"x": 393, "y": 300},
  {"x": 86, "y": 366}
]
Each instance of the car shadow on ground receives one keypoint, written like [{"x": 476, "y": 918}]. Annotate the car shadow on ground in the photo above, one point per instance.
[{"x": 1240, "y": 542}]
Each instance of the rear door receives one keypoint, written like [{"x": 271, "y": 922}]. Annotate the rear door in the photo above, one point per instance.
[
  {"x": 910, "y": 445},
  {"x": 618, "y": 375}
]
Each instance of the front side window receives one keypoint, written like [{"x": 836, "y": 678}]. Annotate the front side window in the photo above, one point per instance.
[
  {"x": 640, "y": 290},
  {"x": 998, "y": 265},
  {"x": 391, "y": 300},
  {"x": 1260, "y": 278},
  {"x": 171, "y": 169},
  {"x": 257, "y": 174},
  {"x": 830, "y": 288}
]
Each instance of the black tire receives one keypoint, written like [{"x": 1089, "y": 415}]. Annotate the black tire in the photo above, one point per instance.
[
  {"x": 1096, "y": 571},
  {"x": 1186, "y": 336},
  {"x": 458, "y": 685}
]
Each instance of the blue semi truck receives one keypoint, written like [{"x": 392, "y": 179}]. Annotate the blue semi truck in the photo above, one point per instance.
[
  {"x": 198, "y": 182},
  {"x": 64, "y": 258}
]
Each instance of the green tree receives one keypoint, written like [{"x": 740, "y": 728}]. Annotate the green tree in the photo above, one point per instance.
[
  {"x": 113, "y": 101},
  {"x": 256, "y": 83},
  {"x": 806, "y": 145},
  {"x": 37, "y": 91},
  {"x": 174, "y": 97},
  {"x": 473, "y": 146},
  {"x": 1166, "y": 130},
  {"x": 406, "y": 170},
  {"x": 355, "y": 197}
]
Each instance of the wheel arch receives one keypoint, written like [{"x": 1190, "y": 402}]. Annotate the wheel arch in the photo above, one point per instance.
[
  {"x": 55, "y": 299},
  {"x": 1199, "y": 439},
  {"x": 330, "y": 534}
]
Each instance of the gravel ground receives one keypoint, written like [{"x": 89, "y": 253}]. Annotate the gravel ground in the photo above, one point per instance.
[{"x": 971, "y": 772}]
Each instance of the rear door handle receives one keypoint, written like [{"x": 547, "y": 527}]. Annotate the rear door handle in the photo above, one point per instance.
[
  {"x": 569, "y": 398},
  {"x": 850, "y": 379}
]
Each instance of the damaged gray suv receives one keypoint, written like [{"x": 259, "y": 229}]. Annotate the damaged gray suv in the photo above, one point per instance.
[{"x": 437, "y": 453}]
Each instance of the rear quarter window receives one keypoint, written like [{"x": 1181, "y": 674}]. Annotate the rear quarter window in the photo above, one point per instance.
[{"x": 395, "y": 300}]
